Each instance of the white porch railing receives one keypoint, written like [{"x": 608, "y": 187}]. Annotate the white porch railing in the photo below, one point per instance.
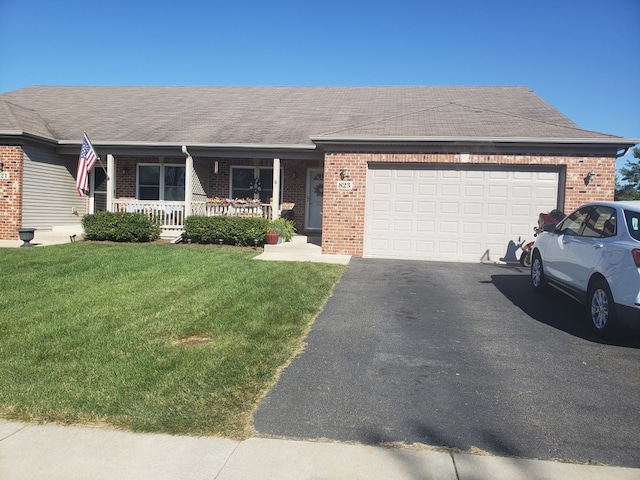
[{"x": 171, "y": 214}]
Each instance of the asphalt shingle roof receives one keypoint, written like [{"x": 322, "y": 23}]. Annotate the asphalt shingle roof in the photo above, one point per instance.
[{"x": 282, "y": 115}]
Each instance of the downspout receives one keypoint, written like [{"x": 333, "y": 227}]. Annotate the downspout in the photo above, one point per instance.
[
  {"x": 624, "y": 152},
  {"x": 188, "y": 181}
]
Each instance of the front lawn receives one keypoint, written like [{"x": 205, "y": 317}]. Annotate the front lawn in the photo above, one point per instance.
[{"x": 182, "y": 339}]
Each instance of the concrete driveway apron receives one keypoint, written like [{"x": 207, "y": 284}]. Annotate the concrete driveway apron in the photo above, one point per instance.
[{"x": 460, "y": 356}]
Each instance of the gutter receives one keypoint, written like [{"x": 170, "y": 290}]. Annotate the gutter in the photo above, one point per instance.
[{"x": 479, "y": 140}]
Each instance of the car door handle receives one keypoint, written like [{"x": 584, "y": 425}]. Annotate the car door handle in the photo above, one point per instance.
[{"x": 598, "y": 245}]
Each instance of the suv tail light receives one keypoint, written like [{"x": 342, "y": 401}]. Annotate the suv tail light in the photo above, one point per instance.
[{"x": 636, "y": 256}]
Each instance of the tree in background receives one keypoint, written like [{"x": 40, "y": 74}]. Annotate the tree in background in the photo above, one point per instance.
[{"x": 631, "y": 176}]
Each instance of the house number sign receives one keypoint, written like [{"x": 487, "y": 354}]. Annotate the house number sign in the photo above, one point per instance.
[
  {"x": 4, "y": 175},
  {"x": 342, "y": 185}
]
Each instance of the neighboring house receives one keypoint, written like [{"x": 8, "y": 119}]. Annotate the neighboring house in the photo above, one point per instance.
[{"x": 451, "y": 173}]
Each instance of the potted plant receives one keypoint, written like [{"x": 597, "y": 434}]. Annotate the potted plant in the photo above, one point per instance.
[{"x": 279, "y": 228}]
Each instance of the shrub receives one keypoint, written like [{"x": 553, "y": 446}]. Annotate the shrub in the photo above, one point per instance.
[
  {"x": 120, "y": 227},
  {"x": 239, "y": 231}
]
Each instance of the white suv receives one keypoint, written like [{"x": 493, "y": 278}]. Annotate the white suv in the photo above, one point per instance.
[{"x": 593, "y": 255}]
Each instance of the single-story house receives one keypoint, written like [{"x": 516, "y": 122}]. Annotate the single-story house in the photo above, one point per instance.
[{"x": 452, "y": 173}]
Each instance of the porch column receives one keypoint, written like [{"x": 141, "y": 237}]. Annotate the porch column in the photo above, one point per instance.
[
  {"x": 188, "y": 182},
  {"x": 275, "y": 202},
  {"x": 111, "y": 181}
]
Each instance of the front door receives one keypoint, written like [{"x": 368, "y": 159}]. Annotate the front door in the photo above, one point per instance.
[{"x": 315, "y": 189}]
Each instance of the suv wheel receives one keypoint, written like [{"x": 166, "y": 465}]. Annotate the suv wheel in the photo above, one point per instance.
[
  {"x": 601, "y": 309},
  {"x": 538, "y": 280}
]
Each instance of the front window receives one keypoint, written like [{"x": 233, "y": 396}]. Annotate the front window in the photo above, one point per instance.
[
  {"x": 252, "y": 182},
  {"x": 572, "y": 225},
  {"x": 161, "y": 182}
]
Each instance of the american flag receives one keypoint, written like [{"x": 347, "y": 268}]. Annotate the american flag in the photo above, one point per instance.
[{"x": 86, "y": 161}]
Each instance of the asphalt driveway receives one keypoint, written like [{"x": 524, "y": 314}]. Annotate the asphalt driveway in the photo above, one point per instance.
[{"x": 459, "y": 355}]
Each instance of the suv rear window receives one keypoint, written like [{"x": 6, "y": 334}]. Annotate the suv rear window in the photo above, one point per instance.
[{"x": 633, "y": 223}]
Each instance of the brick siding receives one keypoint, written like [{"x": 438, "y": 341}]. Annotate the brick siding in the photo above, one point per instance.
[
  {"x": 11, "y": 192},
  {"x": 344, "y": 210}
]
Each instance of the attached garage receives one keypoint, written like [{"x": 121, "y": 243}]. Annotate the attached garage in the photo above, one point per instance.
[{"x": 455, "y": 212}]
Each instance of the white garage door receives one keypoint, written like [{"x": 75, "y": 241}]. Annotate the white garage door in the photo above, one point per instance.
[{"x": 454, "y": 215}]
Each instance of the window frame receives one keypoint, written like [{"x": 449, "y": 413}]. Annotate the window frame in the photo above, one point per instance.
[
  {"x": 162, "y": 186},
  {"x": 256, "y": 174}
]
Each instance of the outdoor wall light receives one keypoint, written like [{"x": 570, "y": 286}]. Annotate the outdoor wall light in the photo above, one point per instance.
[
  {"x": 124, "y": 171},
  {"x": 344, "y": 174},
  {"x": 1, "y": 165},
  {"x": 589, "y": 177}
]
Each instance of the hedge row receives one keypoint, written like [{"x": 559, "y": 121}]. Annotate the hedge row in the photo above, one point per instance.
[
  {"x": 120, "y": 227},
  {"x": 239, "y": 231}
]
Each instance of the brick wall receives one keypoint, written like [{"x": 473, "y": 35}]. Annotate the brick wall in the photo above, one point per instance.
[
  {"x": 11, "y": 192},
  {"x": 344, "y": 210}
]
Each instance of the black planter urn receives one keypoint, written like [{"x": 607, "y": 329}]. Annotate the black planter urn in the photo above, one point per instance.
[{"x": 26, "y": 235}]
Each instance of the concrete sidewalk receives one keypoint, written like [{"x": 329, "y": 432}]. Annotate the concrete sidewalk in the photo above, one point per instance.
[
  {"x": 48, "y": 237},
  {"x": 55, "y": 452}
]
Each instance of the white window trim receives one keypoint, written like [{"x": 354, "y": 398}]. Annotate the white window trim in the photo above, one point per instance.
[
  {"x": 161, "y": 186},
  {"x": 256, "y": 174}
]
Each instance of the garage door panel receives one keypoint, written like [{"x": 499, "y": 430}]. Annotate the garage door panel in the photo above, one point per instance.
[
  {"x": 497, "y": 175},
  {"x": 449, "y": 208},
  {"x": 402, "y": 226},
  {"x": 471, "y": 249},
  {"x": 472, "y": 228},
  {"x": 425, "y": 226},
  {"x": 496, "y": 228},
  {"x": 450, "y": 190},
  {"x": 381, "y": 227},
  {"x": 519, "y": 209},
  {"x": 497, "y": 209},
  {"x": 381, "y": 206},
  {"x": 471, "y": 191},
  {"x": 426, "y": 207},
  {"x": 424, "y": 247},
  {"x": 551, "y": 177},
  {"x": 522, "y": 192},
  {"x": 427, "y": 189},
  {"x": 498, "y": 191},
  {"x": 472, "y": 208},
  {"x": 404, "y": 189},
  {"x": 446, "y": 227},
  {"x": 401, "y": 245},
  {"x": 382, "y": 188},
  {"x": 403, "y": 206},
  {"x": 457, "y": 214}
]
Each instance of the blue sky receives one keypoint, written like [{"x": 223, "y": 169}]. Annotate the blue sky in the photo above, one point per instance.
[{"x": 582, "y": 56}]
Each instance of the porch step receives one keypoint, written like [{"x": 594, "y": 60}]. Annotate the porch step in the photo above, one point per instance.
[
  {"x": 298, "y": 244},
  {"x": 301, "y": 249}
]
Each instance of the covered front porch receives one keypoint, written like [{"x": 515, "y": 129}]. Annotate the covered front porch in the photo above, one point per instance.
[{"x": 171, "y": 188}]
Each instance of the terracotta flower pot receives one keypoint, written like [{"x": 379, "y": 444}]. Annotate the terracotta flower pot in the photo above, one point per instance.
[{"x": 272, "y": 238}]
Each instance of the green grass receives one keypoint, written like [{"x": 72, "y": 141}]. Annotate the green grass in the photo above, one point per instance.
[{"x": 90, "y": 333}]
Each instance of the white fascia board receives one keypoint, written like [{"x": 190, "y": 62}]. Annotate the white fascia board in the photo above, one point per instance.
[{"x": 179, "y": 145}]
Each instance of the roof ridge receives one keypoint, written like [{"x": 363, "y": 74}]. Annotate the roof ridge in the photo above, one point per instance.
[
  {"x": 8, "y": 111},
  {"x": 10, "y": 108}
]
